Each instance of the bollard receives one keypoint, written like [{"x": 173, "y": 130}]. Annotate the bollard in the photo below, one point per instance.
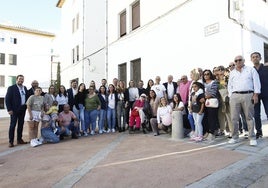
[{"x": 177, "y": 125}]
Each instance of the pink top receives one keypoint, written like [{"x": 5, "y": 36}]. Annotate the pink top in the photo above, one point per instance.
[
  {"x": 66, "y": 118},
  {"x": 184, "y": 91}
]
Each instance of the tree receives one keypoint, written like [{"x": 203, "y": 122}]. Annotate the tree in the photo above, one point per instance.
[{"x": 58, "y": 81}]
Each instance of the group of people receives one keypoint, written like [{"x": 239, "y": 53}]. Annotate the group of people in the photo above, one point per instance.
[{"x": 212, "y": 103}]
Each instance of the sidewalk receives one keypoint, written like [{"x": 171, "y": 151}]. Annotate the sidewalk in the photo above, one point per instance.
[{"x": 138, "y": 160}]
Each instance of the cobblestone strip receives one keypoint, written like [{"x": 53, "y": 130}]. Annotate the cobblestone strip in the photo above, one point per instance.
[
  {"x": 79, "y": 172},
  {"x": 15, "y": 149},
  {"x": 240, "y": 174}
]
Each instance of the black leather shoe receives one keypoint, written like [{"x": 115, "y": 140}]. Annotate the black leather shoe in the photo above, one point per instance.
[
  {"x": 259, "y": 135},
  {"x": 11, "y": 145},
  {"x": 74, "y": 136},
  {"x": 21, "y": 142}
]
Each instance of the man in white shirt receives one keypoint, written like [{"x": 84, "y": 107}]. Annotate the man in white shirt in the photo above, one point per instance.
[
  {"x": 243, "y": 88},
  {"x": 158, "y": 88},
  {"x": 171, "y": 88}
]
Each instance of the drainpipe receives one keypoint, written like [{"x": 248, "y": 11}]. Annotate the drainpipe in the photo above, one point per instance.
[
  {"x": 237, "y": 22},
  {"x": 106, "y": 41},
  {"x": 83, "y": 44}
]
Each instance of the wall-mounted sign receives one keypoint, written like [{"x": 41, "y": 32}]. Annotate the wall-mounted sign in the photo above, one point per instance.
[{"x": 212, "y": 29}]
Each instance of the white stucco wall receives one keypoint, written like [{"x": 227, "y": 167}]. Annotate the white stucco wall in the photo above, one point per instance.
[
  {"x": 91, "y": 40},
  {"x": 33, "y": 59},
  {"x": 176, "y": 42}
]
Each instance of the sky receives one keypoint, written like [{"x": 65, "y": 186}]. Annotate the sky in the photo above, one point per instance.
[{"x": 35, "y": 14}]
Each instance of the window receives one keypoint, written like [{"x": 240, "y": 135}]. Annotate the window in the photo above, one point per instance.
[
  {"x": 122, "y": 70},
  {"x": 13, "y": 40},
  {"x": 2, "y": 58},
  {"x": 12, "y": 80},
  {"x": 77, "y": 53},
  {"x": 123, "y": 24},
  {"x": 12, "y": 59},
  {"x": 73, "y": 55},
  {"x": 265, "y": 52},
  {"x": 2, "y": 81},
  {"x": 2, "y": 39},
  {"x": 2, "y": 106},
  {"x": 77, "y": 21},
  {"x": 136, "y": 15},
  {"x": 73, "y": 25},
  {"x": 135, "y": 70}
]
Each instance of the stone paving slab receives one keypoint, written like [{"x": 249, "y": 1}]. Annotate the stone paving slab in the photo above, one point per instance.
[{"x": 123, "y": 160}]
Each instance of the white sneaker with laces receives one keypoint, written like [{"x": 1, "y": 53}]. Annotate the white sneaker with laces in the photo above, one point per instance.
[
  {"x": 92, "y": 132},
  {"x": 232, "y": 141},
  {"x": 100, "y": 132},
  {"x": 41, "y": 140},
  {"x": 35, "y": 142},
  {"x": 108, "y": 131},
  {"x": 253, "y": 142},
  {"x": 113, "y": 130}
]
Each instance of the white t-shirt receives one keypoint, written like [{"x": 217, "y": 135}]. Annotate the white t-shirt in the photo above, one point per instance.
[{"x": 159, "y": 90}]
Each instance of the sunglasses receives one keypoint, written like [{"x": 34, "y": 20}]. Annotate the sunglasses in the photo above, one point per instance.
[
  {"x": 238, "y": 60},
  {"x": 206, "y": 74},
  {"x": 231, "y": 65}
]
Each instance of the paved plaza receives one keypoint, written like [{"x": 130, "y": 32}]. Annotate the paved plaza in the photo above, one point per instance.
[{"x": 125, "y": 160}]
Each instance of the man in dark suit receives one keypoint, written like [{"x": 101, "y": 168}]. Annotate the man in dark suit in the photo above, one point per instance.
[
  {"x": 141, "y": 88},
  {"x": 71, "y": 92},
  {"x": 171, "y": 88},
  {"x": 30, "y": 91},
  {"x": 15, "y": 102}
]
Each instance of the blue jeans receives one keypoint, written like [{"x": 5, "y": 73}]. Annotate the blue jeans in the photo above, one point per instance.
[
  {"x": 257, "y": 112},
  {"x": 111, "y": 118},
  {"x": 191, "y": 121},
  {"x": 198, "y": 123},
  {"x": 67, "y": 130},
  {"x": 48, "y": 135},
  {"x": 91, "y": 118},
  {"x": 102, "y": 117},
  {"x": 82, "y": 117},
  {"x": 76, "y": 113}
]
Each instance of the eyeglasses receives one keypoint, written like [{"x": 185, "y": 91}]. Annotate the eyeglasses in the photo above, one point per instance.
[
  {"x": 238, "y": 60},
  {"x": 206, "y": 74},
  {"x": 231, "y": 65},
  {"x": 255, "y": 57}
]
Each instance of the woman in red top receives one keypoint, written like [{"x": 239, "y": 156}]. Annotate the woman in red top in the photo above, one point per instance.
[{"x": 134, "y": 115}]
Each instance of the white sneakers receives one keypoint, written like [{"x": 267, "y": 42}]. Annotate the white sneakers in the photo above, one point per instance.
[
  {"x": 85, "y": 133},
  {"x": 253, "y": 142},
  {"x": 232, "y": 141},
  {"x": 35, "y": 142}
]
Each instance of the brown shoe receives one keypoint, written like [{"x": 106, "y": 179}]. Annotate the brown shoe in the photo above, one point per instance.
[
  {"x": 11, "y": 145},
  {"x": 21, "y": 142}
]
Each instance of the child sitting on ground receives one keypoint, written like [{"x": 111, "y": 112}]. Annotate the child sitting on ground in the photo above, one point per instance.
[{"x": 53, "y": 112}]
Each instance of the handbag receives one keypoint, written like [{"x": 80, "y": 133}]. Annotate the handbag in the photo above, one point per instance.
[{"x": 212, "y": 103}]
